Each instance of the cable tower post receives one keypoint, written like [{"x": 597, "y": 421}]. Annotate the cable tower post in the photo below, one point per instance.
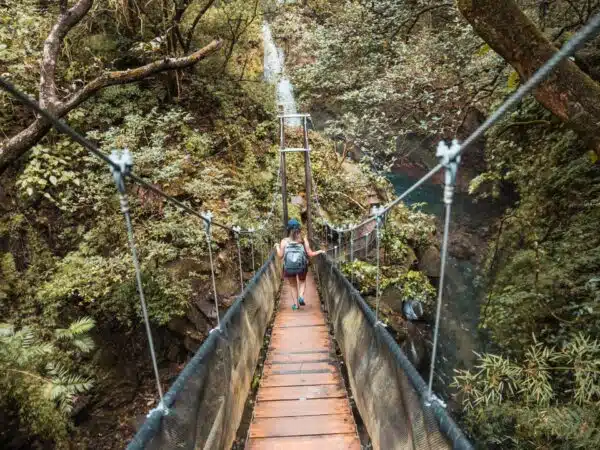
[
  {"x": 121, "y": 164},
  {"x": 307, "y": 179},
  {"x": 449, "y": 158},
  {"x": 283, "y": 169}
]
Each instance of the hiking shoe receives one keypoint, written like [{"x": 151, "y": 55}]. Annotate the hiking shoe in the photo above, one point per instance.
[
  {"x": 294, "y": 307},
  {"x": 301, "y": 301}
]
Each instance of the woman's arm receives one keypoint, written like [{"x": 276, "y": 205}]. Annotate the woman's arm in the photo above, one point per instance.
[
  {"x": 279, "y": 248},
  {"x": 309, "y": 251}
]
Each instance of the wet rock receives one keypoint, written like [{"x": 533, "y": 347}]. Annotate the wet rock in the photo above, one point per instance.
[
  {"x": 429, "y": 261},
  {"x": 462, "y": 245},
  {"x": 191, "y": 344},
  {"x": 192, "y": 338},
  {"x": 198, "y": 316},
  {"x": 412, "y": 309},
  {"x": 392, "y": 297}
]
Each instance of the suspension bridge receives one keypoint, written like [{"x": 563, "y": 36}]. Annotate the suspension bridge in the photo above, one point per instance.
[{"x": 303, "y": 399}]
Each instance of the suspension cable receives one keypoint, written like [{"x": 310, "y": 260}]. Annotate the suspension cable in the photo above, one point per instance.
[
  {"x": 236, "y": 231},
  {"x": 449, "y": 158},
  {"x": 378, "y": 279},
  {"x": 252, "y": 250},
  {"x": 120, "y": 165},
  {"x": 63, "y": 127},
  {"x": 208, "y": 231}
]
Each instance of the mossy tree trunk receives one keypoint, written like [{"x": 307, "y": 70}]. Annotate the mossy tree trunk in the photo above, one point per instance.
[{"x": 569, "y": 93}]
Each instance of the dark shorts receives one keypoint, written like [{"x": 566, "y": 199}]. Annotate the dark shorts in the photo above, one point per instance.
[{"x": 301, "y": 276}]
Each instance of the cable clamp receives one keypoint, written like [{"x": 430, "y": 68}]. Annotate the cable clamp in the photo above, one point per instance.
[
  {"x": 217, "y": 328},
  {"x": 379, "y": 323},
  {"x": 237, "y": 231},
  {"x": 207, "y": 220},
  {"x": 434, "y": 399},
  {"x": 160, "y": 408},
  {"x": 449, "y": 158},
  {"x": 124, "y": 162}
]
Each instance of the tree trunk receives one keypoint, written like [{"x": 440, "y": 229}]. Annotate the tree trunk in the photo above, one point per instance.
[
  {"x": 568, "y": 93},
  {"x": 14, "y": 147}
]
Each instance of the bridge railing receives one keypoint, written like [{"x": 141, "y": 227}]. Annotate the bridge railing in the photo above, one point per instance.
[
  {"x": 390, "y": 394},
  {"x": 203, "y": 408}
]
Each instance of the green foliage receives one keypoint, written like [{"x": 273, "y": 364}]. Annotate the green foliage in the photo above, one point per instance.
[
  {"x": 39, "y": 380},
  {"x": 543, "y": 299},
  {"x": 412, "y": 284},
  {"x": 534, "y": 403}
]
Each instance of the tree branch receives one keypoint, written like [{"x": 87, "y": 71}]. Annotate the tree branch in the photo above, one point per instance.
[
  {"x": 139, "y": 73},
  {"x": 417, "y": 17},
  {"x": 190, "y": 33},
  {"x": 14, "y": 147},
  {"x": 67, "y": 20}
]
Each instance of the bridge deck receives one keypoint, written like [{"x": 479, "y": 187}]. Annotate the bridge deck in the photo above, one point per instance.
[{"x": 301, "y": 401}]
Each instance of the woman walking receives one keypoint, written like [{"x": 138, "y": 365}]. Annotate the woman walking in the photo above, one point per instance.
[{"x": 295, "y": 251}]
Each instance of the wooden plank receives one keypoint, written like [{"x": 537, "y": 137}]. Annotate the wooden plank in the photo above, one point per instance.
[
  {"x": 301, "y": 392},
  {"x": 299, "y": 332},
  {"x": 324, "y": 442},
  {"x": 287, "y": 358},
  {"x": 307, "y": 367},
  {"x": 300, "y": 379},
  {"x": 293, "y": 408},
  {"x": 301, "y": 402},
  {"x": 307, "y": 342},
  {"x": 301, "y": 426}
]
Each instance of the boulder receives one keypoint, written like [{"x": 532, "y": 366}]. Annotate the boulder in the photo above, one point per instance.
[
  {"x": 429, "y": 261},
  {"x": 392, "y": 298}
]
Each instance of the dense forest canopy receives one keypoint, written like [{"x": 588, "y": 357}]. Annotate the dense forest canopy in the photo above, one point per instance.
[{"x": 179, "y": 83}]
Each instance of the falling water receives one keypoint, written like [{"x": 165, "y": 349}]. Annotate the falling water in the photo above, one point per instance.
[{"x": 274, "y": 73}]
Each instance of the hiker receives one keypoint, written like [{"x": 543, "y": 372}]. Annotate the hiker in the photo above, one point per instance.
[{"x": 295, "y": 251}]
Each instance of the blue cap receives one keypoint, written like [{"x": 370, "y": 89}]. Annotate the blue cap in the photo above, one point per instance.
[{"x": 293, "y": 224}]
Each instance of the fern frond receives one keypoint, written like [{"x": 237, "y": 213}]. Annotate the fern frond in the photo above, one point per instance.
[
  {"x": 81, "y": 326},
  {"x": 84, "y": 344},
  {"x": 6, "y": 330}
]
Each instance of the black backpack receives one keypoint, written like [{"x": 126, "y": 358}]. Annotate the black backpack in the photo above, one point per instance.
[{"x": 295, "y": 260}]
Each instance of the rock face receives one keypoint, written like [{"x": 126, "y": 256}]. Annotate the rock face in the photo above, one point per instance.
[
  {"x": 429, "y": 261},
  {"x": 192, "y": 338},
  {"x": 392, "y": 297}
]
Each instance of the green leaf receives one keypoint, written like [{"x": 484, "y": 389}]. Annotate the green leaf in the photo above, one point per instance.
[
  {"x": 513, "y": 80},
  {"x": 53, "y": 180}
]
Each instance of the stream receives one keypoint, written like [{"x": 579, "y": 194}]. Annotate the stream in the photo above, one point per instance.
[{"x": 464, "y": 293}]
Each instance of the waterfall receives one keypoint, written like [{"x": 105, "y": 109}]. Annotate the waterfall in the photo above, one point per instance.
[{"x": 274, "y": 73}]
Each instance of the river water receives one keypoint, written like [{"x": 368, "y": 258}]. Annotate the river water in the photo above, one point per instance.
[{"x": 464, "y": 293}]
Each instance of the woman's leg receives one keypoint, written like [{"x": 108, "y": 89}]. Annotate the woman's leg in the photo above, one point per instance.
[
  {"x": 301, "y": 287},
  {"x": 293, "y": 283}
]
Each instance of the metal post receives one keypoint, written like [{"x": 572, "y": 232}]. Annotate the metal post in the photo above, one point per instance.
[
  {"x": 307, "y": 178},
  {"x": 283, "y": 174}
]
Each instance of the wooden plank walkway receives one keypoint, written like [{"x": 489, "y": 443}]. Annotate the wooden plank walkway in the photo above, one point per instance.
[{"x": 301, "y": 401}]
